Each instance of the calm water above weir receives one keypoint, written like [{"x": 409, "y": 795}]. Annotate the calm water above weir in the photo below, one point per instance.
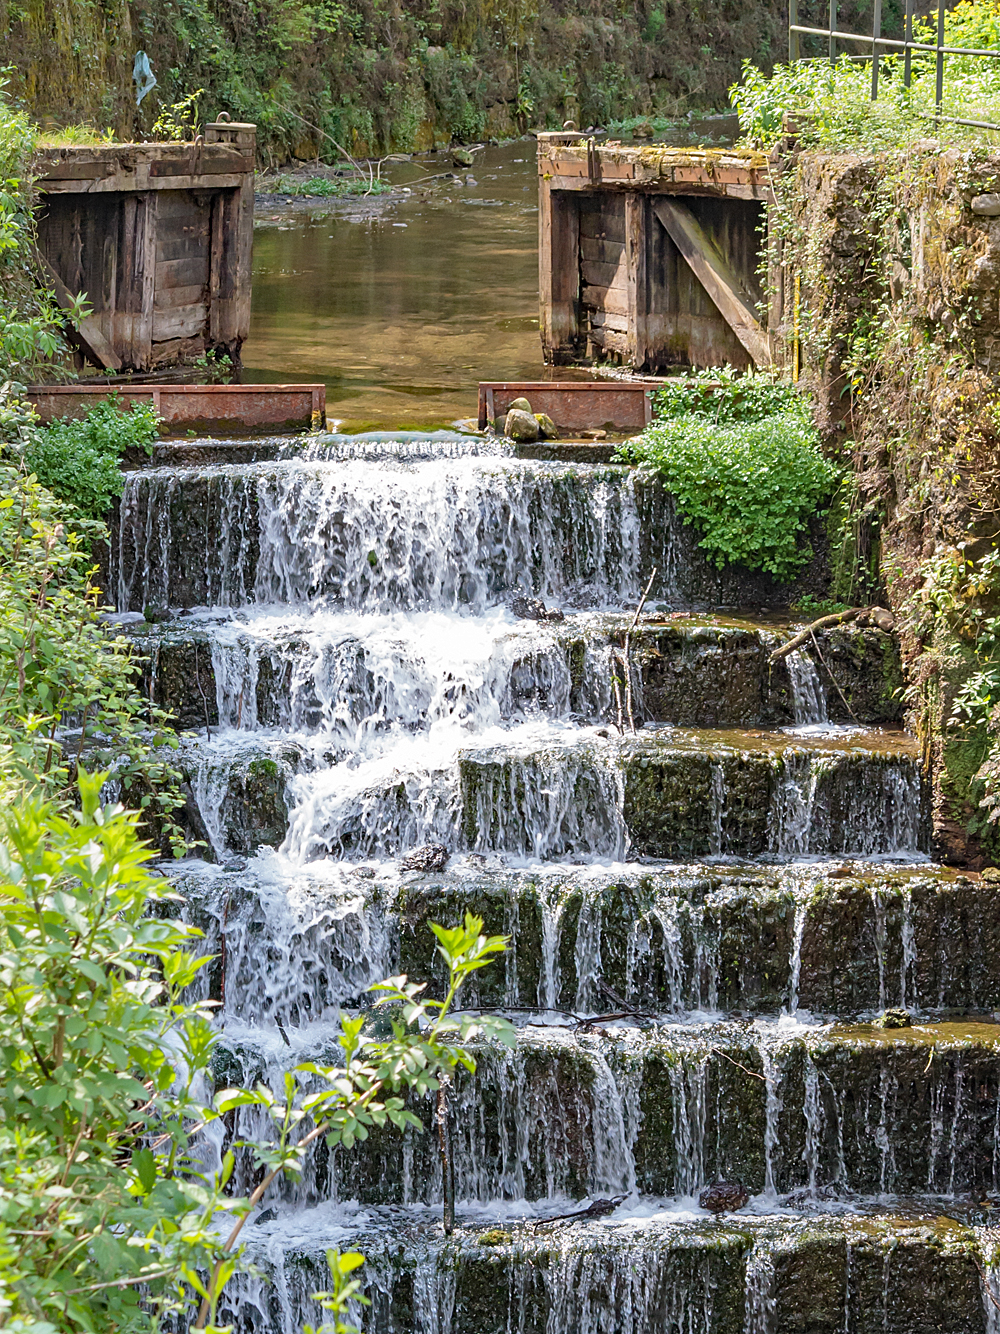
[{"x": 402, "y": 308}]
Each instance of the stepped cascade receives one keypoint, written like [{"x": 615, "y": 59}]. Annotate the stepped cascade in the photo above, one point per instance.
[{"x": 744, "y": 881}]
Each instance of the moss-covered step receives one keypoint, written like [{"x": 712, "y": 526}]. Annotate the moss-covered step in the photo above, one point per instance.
[
  {"x": 236, "y": 793},
  {"x": 916, "y": 1272},
  {"x": 293, "y": 944},
  {"x": 835, "y": 939},
  {"x": 463, "y": 532},
  {"x": 678, "y": 795},
  {"x": 327, "y": 672},
  {"x": 571, "y": 1112}
]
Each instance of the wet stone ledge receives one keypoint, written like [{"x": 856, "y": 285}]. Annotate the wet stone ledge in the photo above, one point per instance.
[
  {"x": 664, "y": 796},
  {"x": 840, "y": 939},
  {"x": 882, "y": 1274},
  {"x": 231, "y": 535},
  {"x": 833, "y": 1113},
  {"x": 710, "y": 672}
]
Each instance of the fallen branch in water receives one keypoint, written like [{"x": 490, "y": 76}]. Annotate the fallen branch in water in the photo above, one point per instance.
[
  {"x": 599, "y": 1209},
  {"x": 877, "y": 616}
]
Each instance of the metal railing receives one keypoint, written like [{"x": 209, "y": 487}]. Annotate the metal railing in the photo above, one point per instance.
[{"x": 885, "y": 45}]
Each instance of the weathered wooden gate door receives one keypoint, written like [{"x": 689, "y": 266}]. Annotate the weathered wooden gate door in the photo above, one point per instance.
[
  {"x": 158, "y": 238},
  {"x": 650, "y": 256}
]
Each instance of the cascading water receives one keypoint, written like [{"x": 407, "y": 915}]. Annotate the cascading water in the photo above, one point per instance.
[{"x": 374, "y": 692}]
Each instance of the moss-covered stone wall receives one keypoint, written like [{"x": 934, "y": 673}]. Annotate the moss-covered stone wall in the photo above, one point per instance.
[
  {"x": 381, "y": 75},
  {"x": 896, "y": 258}
]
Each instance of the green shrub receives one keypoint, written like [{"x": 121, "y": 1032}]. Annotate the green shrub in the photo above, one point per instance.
[
  {"x": 749, "y": 486},
  {"x": 833, "y": 107},
  {"x": 78, "y": 461},
  {"x": 724, "y": 396}
]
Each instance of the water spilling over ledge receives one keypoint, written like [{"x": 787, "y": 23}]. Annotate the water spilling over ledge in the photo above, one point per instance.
[{"x": 744, "y": 882}]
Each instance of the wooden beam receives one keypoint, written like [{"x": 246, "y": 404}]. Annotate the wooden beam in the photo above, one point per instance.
[
  {"x": 558, "y": 274},
  {"x": 715, "y": 275},
  {"x": 635, "y": 277},
  {"x": 88, "y": 332}
]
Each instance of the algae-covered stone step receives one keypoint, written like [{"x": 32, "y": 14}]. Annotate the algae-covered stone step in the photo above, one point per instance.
[
  {"x": 834, "y": 939},
  {"x": 273, "y": 667},
  {"x": 678, "y": 795},
  {"x": 916, "y": 1272},
  {"x": 295, "y": 943},
  {"x": 571, "y": 1112},
  {"x": 552, "y": 792},
  {"x": 236, "y": 793},
  {"x": 459, "y": 532}
]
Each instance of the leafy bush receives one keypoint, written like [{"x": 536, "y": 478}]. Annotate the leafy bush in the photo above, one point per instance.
[
  {"x": 833, "y": 106},
  {"x": 78, "y": 461},
  {"x": 109, "y": 1203},
  {"x": 725, "y": 396},
  {"x": 67, "y": 686},
  {"x": 748, "y": 485}
]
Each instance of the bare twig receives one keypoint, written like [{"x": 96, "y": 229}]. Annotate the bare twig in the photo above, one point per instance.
[
  {"x": 877, "y": 616},
  {"x": 717, "y": 1051},
  {"x": 829, "y": 673},
  {"x": 447, "y": 1160},
  {"x": 627, "y": 647},
  {"x": 201, "y": 692}
]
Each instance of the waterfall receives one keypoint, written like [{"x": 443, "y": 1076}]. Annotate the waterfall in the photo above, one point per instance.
[
  {"x": 808, "y": 696},
  {"x": 375, "y": 692}
]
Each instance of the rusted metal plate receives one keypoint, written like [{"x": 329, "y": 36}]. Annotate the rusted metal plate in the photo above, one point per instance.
[
  {"x": 210, "y": 407},
  {"x": 621, "y": 406}
]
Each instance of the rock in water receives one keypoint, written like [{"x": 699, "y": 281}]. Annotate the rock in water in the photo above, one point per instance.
[
  {"x": 534, "y": 609},
  {"x": 432, "y": 857},
  {"x": 723, "y": 1196},
  {"x": 520, "y": 426},
  {"x": 528, "y": 609},
  {"x": 521, "y": 404},
  {"x": 894, "y": 1019},
  {"x": 462, "y": 157},
  {"x": 546, "y": 426}
]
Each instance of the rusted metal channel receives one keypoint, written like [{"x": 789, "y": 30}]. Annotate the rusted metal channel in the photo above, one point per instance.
[
  {"x": 609, "y": 405},
  {"x": 212, "y": 408}
]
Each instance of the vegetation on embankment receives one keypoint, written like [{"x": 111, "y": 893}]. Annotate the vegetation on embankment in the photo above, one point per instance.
[
  {"x": 387, "y": 75},
  {"x": 741, "y": 458},
  {"x": 832, "y": 108},
  {"x": 891, "y": 269}
]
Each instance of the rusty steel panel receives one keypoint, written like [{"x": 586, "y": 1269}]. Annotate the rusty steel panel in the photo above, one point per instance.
[
  {"x": 211, "y": 407},
  {"x": 620, "y": 406}
]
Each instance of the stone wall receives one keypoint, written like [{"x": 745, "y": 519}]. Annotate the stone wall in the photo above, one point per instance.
[{"x": 898, "y": 261}]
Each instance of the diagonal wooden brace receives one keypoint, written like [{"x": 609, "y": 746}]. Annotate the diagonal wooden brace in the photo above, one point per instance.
[{"x": 715, "y": 275}]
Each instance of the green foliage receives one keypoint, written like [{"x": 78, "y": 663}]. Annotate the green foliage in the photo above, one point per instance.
[
  {"x": 179, "y": 121},
  {"x": 99, "y": 1057},
  {"x": 67, "y": 686},
  {"x": 78, "y": 460},
  {"x": 323, "y": 187},
  {"x": 748, "y": 482},
  {"x": 108, "y": 1216},
  {"x": 832, "y": 105},
  {"x": 344, "y": 1291},
  {"x": 724, "y": 396}
]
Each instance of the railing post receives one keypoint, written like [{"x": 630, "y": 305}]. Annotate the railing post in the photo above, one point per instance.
[
  {"x": 833, "y": 29},
  {"x": 907, "y": 37},
  {"x": 793, "y": 37},
  {"x": 876, "y": 34},
  {"x": 939, "y": 87}
]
